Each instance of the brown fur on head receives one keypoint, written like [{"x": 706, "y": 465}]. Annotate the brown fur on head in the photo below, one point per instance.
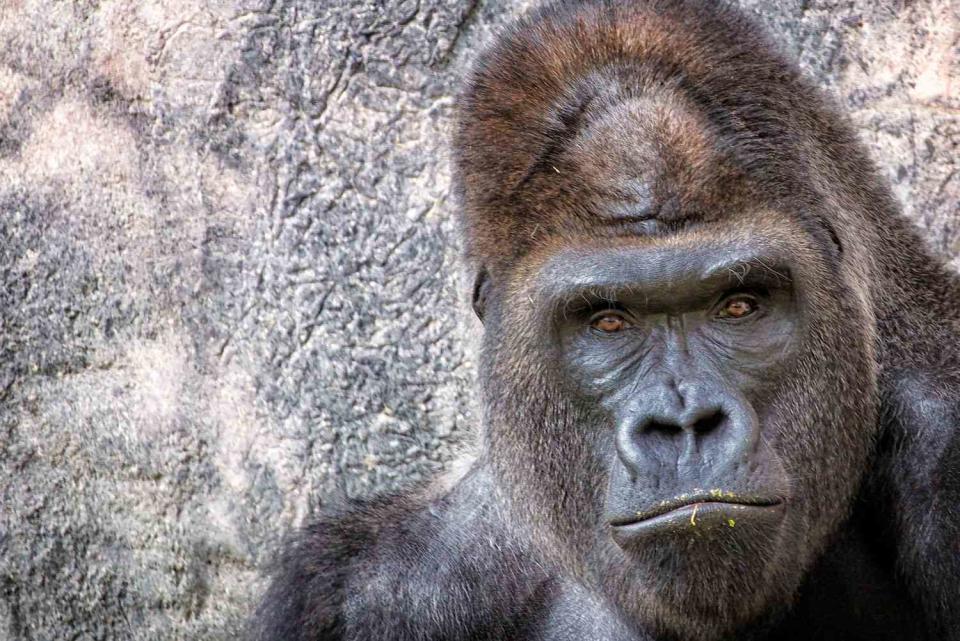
[{"x": 693, "y": 82}]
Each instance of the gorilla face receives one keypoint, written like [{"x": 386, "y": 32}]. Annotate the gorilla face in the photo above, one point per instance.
[
  {"x": 675, "y": 346},
  {"x": 717, "y": 409},
  {"x": 694, "y": 393}
]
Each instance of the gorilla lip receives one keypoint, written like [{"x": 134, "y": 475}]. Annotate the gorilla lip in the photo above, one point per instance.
[{"x": 695, "y": 500}]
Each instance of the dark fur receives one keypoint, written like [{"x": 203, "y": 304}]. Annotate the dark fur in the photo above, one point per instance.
[{"x": 514, "y": 548}]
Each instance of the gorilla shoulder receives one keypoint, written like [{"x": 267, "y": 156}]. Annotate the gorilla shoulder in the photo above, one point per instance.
[{"x": 421, "y": 566}]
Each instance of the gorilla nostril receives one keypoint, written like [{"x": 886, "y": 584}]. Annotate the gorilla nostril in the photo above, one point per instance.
[
  {"x": 709, "y": 423},
  {"x": 659, "y": 427}
]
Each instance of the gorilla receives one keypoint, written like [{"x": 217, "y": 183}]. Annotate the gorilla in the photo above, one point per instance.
[{"x": 720, "y": 373}]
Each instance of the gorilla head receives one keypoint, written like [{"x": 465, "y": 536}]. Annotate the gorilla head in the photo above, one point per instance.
[{"x": 678, "y": 355}]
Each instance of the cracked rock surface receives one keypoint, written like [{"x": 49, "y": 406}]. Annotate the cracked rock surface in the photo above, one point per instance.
[{"x": 229, "y": 286}]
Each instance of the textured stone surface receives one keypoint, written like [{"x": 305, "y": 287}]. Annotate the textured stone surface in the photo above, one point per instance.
[{"x": 228, "y": 272}]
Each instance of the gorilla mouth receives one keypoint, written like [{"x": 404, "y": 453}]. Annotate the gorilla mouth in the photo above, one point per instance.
[{"x": 704, "y": 509}]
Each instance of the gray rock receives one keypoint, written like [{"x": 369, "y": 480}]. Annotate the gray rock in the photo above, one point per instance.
[{"x": 229, "y": 280}]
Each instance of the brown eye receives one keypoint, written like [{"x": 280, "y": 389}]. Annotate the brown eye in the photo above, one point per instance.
[
  {"x": 608, "y": 323},
  {"x": 738, "y": 307}
]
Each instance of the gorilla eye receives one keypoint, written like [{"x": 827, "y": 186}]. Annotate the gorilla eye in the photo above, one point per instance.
[
  {"x": 738, "y": 307},
  {"x": 608, "y": 323}
]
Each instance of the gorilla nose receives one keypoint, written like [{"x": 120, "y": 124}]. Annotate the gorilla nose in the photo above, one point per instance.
[
  {"x": 697, "y": 427},
  {"x": 705, "y": 420}
]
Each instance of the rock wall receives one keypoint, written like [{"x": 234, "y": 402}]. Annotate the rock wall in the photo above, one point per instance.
[{"x": 229, "y": 285}]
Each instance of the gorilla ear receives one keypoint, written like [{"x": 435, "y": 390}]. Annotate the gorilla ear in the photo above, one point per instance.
[{"x": 481, "y": 287}]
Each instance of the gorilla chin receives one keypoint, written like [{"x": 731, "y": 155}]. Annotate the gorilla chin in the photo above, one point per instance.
[{"x": 717, "y": 552}]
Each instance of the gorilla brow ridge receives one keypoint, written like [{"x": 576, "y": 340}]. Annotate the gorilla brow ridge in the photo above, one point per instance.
[
  {"x": 741, "y": 270},
  {"x": 592, "y": 295}
]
